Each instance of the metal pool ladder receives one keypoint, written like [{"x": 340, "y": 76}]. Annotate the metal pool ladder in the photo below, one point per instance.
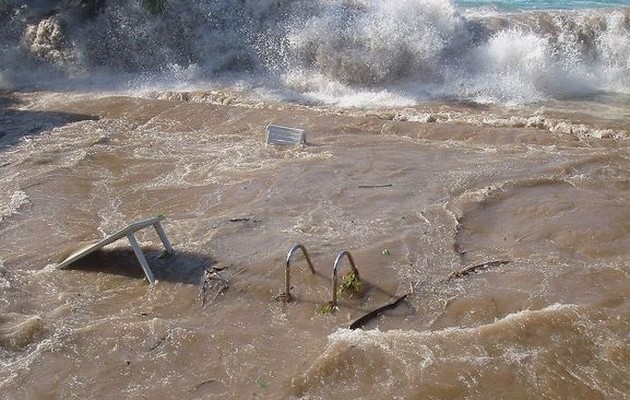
[{"x": 287, "y": 276}]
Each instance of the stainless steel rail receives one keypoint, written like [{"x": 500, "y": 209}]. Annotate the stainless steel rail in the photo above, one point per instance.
[
  {"x": 342, "y": 253},
  {"x": 287, "y": 276}
]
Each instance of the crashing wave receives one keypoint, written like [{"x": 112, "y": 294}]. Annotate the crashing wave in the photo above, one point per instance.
[{"x": 326, "y": 49}]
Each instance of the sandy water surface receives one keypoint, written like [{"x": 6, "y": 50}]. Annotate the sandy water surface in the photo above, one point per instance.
[{"x": 414, "y": 194}]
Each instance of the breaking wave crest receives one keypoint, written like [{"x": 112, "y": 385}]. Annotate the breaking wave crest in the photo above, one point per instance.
[
  {"x": 526, "y": 348},
  {"x": 396, "y": 52}
]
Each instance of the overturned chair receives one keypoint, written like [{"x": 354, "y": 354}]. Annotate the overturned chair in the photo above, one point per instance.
[{"x": 127, "y": 232}]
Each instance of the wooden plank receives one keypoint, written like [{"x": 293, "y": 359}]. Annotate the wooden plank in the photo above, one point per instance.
[
  {"x": 284, "y": 135},
  {"x": 135, "y": 226}
]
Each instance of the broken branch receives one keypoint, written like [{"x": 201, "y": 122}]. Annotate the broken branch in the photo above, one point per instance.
[{"x": 474, "y": 268}]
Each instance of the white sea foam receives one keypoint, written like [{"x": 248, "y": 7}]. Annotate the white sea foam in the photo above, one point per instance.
[
  {"x": 345, "y": 52},
  {"x": 4, "y": 280},
  {"x": 518, "y": 345},
  {"x": 13, "y": 204},
  {"x": 360, "y": 338}
]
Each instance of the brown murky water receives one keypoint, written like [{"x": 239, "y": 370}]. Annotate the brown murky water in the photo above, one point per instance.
[{"x": 413, "y": 198}]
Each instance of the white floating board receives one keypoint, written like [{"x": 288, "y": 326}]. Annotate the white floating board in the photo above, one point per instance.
[{"x": 284, "y": 135}]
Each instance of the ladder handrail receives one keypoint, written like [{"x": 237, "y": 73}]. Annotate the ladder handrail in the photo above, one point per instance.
[
  {"x": 287, "y": 276},
  {"x": 342, "y": 253}
]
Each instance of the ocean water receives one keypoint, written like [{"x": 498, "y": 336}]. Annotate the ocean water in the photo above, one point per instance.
[
  {"x": 341, "y": 52},
  {"x": 471, "y": 155},
  {"x": 512, "y": 5}
]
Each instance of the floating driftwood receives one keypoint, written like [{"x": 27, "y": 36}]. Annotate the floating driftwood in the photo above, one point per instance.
[
  {"x": 385, "y": 185},
  {"x": 474, "y": 268},
  {"x": 375, "y": 313},
  {"x": 244, "y": 219},
  {"x": 214, "y": 282},
  {"x": 201, "y": 384}
]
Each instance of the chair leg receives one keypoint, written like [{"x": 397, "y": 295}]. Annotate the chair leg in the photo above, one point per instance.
[
  {"x": 163, "y": 237},
  {"x": 140, "y": 256}
]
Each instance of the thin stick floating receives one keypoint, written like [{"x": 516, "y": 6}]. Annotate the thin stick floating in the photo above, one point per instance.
[
  {"x": 474, "y": 268},
  {"x": 375, "y": 313},
  {"x": 385, "y": 185}
]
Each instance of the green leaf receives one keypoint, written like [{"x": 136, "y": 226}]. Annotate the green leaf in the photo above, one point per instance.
[
  {"x": 324, "y": 309},
  {"x": 260, "y": 382},
  {"x": 350, "y": 284}
]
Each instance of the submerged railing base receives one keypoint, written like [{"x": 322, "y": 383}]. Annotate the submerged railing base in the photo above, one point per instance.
[
  {"x": 353, "y": 266},
  {"x": 287, "y": 276}
]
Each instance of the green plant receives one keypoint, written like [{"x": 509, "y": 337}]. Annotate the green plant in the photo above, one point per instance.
[
  {"x": 261, "y": 382},
  {"x": 325, "y": 309},
  {"x": 350, "y": 284}
]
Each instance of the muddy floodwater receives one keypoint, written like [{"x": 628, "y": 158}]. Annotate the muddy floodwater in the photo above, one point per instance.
[{"x": 414, "y": 195}]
